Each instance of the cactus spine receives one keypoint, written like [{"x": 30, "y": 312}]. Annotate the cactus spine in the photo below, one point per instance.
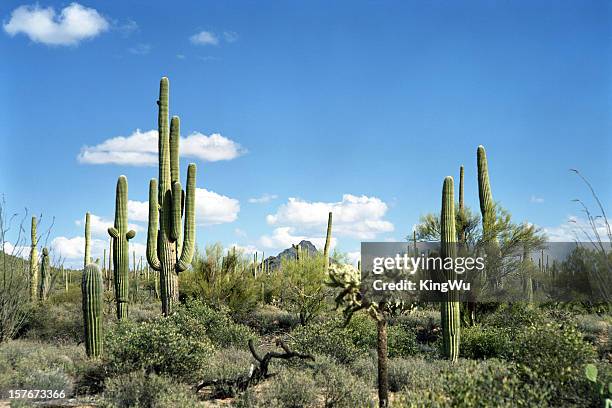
[
  {"x": 87, "y": 259},
  {"x": 450, "y": 307},
  {"x": 44, "y": 275},
  {"x": 91, "y": 288},
  {"x": 328, "y": 237},
  {"x": 120, "y": 237},
  {"x": 34, "y": 263},
  {"x": 164, "y": 239}
]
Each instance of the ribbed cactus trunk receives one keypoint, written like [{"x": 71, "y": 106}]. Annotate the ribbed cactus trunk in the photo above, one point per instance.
[
  {"x": 45, "y": 272},
  {"x": 92, "y": 289},
  {"x": 487, "y": 205},
  {"x": 34, "y": 263},
  {"x": 87, "y": 259},
  {"x": 166, "y": 203},
  {"x": 328, "y": 237},
  {"x": 450, "y": 307},
  {"x": 120, "y": 237}
]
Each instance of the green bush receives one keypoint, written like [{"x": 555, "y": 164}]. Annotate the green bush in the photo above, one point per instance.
[
  {"x": 55, "y": 323},
  {"x": 515, "y": 315},
  {"x": 145, "y": 391},
  {"x": 365, "y": 367},
  {"x": 161, "y": 346},
  {"x": 486, "y": 342},
  {"x": 290, "y": 388},
  {"x": 401, "y": 342},
  {"x": 270, "y": 319},
  {"x": 227, "y": 364}
]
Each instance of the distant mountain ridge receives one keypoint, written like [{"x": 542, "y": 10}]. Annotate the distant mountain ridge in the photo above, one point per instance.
[{"x": 306, "y": 247}]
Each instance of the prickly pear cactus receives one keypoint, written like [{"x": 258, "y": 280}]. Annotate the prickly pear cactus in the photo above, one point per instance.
[
  {"x": 120, "y": 237},
  {"x": 169, "y": 250},
  {"x": 92, "y": 289}
]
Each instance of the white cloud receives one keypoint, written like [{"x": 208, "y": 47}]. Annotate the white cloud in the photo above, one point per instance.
[
  {"x": 140, "y": 149},
  {"x": 213, "y": 208},
  {"x": 284, "y": 237},
  {"x": 138, "y": 210},
  {"x": 353, "y": 257},
  {"x": 230, "y": 36},
  {"x": 140, "y": 49},
  {"x": 265, "y": 198},
  {"x": 245, "y": 249},
  {"x": 98, "y": 226},
  {"x": 72, "y": 250},
  {"x": 576, "y": 229},
  {"x": 241, "y": 233},
  {"x": 21, "y": 251},
  {"x": 536, "y": 200},
  {"x": 204, "y": 38},
  {"x": 180, "y": 56},
  {"x": 74, "y": 24},
  {"x": 359, "y": 217}
]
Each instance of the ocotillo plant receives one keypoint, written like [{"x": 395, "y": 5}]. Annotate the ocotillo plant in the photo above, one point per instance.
[
  {"x": 327, "y": 242},
  {"x": 45, "y": 271},
  {"x": 120, "y": 237},
  {"x": 34, "y": 263},
  {"x": 164, "y": 239},
  {"x": 450, "y": 307},
  {"x": 87, "y": 259},
  {"x": 91, "y": 288}
]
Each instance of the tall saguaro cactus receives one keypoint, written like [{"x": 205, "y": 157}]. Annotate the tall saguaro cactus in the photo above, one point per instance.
[
  {"x": 487, "y": 205},
  {"x": 450, "y": 307},
  {"x": 328, "y": 238},
  {"x": 169, "y": 251},
  {"x": 45, "y": 272},
  {"x": 87, "y": 259},
  {"x": 34, "y": 263},
  {"x": 91, "y": 288},
  {"x": 120, "y": 237}
]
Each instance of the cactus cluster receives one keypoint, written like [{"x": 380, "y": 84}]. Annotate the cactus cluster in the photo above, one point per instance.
[
  {"x": 168, "y": 250},
  {"x": 92, "y": 289},
  {"x": 120, "y": 238}
]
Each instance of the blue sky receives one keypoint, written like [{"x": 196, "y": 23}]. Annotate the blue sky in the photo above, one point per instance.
[{"x": 358, "y": 107}]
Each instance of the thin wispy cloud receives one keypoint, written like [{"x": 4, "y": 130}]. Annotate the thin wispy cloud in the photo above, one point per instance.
[
  {"x": 140, "y": 149},
  {"x": 72, "y": 25},
  {"x": 536, "y": 200},
  {"x": 230, "y": 36},
  {"x": 204, "y": 38},
  {"x": 140, "y": 49},
  {"x": 265, "y": 198}
]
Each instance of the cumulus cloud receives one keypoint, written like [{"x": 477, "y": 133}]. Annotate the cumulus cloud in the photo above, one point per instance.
[
  {"x": 138, "y": 210},
  {"x": 265, "y": 198},
  {"x": 576, "y": 229},
  {"x": 140, "y": 149},
  {"x": 284, "y": 237},
  {"x": 73, "y": 24},
  {"x": 213, "y": 208},
  {"x": 72, "y": 250},
  {"x": 204, "y": 38},
  {"x": 21, "y": 251},
  {"x": 359, "y": 217}
]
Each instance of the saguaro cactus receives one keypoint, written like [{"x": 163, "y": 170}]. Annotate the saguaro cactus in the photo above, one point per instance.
[
  {"x": 487, "y": 205},
  {"x": 45, "y": 271},
  {"x": 164, "y": 239},
  {"x": 120, "y": 237},
  {"x": 87, "y": 259},
  {"x": 34, "y": 263},
  {"x": 91, "y": 288},
  {"x": 450, "y": 307},
  {"x": 328, "y": 238}
]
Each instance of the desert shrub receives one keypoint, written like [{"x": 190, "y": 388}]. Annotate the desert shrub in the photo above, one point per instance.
[
  {"x": 34, "y": 365},
  {"x": 161, "y": 346},
  {"x": 401, "y": 342},
  {"x": 290, "y": 388},
  {"x": 365, "y": 367},
  {"x": 515, "y": 315},
  {"x": 60, "y": 296},
  {"x": 338, "y": 386},
  {"x": 144, "y": 391},
  {"x": 142, "y": 312},
  {"x": 197, "y": 319},
  {"x": 331, "y": 338},
  {"x": 270, "y": 319},
  {"x": 470, "y": 383},
  {"x": 486, "y": 342},
  {"x": 227, "y": 364},
  {"x": 55, "y": 323}
]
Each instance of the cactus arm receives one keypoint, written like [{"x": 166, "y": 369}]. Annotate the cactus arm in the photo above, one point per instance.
[
  {"x": 87, "y": 241},
  {"x": 112, "y": 231},
  {"x": 164, "y": 139},
  {"x": 130, "y": 234},
  {"x": 152, "y": 257},
  {"x": 327, "y": 242},
  {"x": 175, "y": 134},
  {"x": 189, "y": 232},
  {"x": 175, "y": 232},
  {"x": 487, "y": 205}
]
